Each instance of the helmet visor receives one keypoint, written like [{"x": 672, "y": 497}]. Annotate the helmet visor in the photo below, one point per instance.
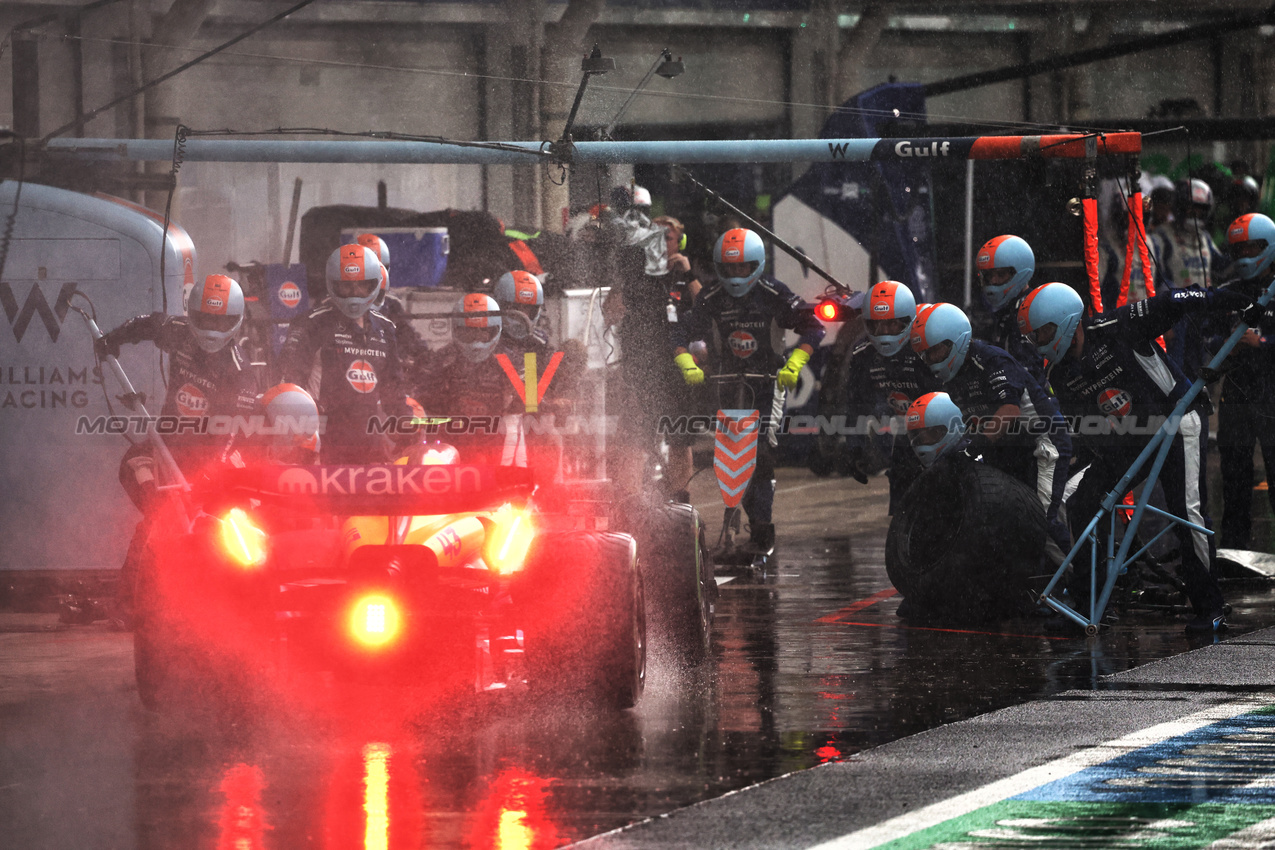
[
  {"x": 354, "y": 288},
  {"x": 886, "y": 327},
  {"x": 1043, "y": 335},
  {"x": 1247, "y": 250},
  {"x": 737, "y": 270},
  {"x": 995, "y": 277},
  {"x": 937, "y": 353},
  {"x": 930, "y": 436},
  {"x": 465, "y": 333},
  {"x": 213, "y": 322}
]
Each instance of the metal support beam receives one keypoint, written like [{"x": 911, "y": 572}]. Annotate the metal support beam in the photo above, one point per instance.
[
  {"x": 921, "y": 151},
  {"x": 1097, "y": 54}
]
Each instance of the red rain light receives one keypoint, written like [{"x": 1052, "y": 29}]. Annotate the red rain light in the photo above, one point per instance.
[
  {"x": 828, "y": 311},
  {"x": 375, "y": 620}
]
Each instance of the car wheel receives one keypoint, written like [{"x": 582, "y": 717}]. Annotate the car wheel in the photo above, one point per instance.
[{"x": 967, "y": 541}]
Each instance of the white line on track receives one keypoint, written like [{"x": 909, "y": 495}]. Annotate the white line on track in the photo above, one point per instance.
[
  {"x": 963, "y": 804},
  {"x": 786, "y": 490}
]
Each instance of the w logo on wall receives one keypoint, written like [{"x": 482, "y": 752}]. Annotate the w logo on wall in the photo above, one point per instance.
[
  {"x": 735, "y": 454},
  {"x": 36, "y": 305}
]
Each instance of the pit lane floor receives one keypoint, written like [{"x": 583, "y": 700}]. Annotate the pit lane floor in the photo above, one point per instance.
[{"x": 810, "y": 665}]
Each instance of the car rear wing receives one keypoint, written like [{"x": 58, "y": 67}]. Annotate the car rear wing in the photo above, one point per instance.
[{"x": 379, "y": 489}]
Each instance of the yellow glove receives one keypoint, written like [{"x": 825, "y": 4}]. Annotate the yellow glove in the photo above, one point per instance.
[
  {"x": 791, "y": 373},
  {"x": 691, "y": 372}
]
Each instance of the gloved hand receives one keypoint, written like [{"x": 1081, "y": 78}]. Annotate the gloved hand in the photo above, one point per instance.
[
  {"x": 856, "y": 466},
  {"x": 1229, "y": 299},
  {"x": 691, "y": 372},
  {"x": 1252, "y": 315},
  {"x": 791, "y": 372},
  {"x": 106, "y": 345}
]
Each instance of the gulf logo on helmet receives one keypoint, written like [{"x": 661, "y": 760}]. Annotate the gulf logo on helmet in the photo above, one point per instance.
[
  {"x": 881, "y": 307},
  {"x": 191, "y": 401},
  {"x": 898, "y": 402},
  {"x": 742, "y": 344},
  {"x": 984, "y": 260},
  {"x": 987, "y": 256},
  {"x": 362, "y": 376},
  {"x": 216, "y": 294},
  {"x": 915, "y": 418},
  {"x": 476, "y": 302},
  {"x": 733, "y": 245},
  {"x": 289, "y": 294},
  {"x": 524, "y": 290},
  {"x": 352, "y": 262},
  {"x": 1115, "y": 402},
  {"x": 1238, "y": 231}
]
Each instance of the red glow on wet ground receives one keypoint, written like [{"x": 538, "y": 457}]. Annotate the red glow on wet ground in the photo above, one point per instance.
[
  {"x": 859, "y": 606},
  {"x": 827, "y": 754},
  {"x": 515, "y": 814},
  {"x": 375, "y": 798},
  {"x": 240, "y": 820}
]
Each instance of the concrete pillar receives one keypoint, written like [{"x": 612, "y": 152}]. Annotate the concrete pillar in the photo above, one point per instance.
[{"x": 565, "y": 43}]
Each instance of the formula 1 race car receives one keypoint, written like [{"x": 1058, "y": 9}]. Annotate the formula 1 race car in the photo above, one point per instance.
[{"x": 459, "y": 577}]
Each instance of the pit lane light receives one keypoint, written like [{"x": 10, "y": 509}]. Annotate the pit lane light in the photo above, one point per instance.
[
  {"x": 508, "y": 540},
  {"x": 375, "y": 620},
  {"x": 839, "y": 307},
  {"x": 241, "y": 540}
]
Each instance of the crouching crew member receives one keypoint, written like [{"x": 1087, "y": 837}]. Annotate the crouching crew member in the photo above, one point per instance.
[
  {"x": 743, "y": 304},
  {"x": 1011, "y": 420},
  {"x": 1112, "y": 368},
  {"x": 883, "y": 378},
  {"x": 346, "y": 355}
]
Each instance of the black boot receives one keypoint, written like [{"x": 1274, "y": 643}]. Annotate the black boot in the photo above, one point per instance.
[{"x": 762, "y": 537}]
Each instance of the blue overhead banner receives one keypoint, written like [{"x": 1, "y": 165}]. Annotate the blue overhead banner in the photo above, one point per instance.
[{"x": 886, "y": 203}]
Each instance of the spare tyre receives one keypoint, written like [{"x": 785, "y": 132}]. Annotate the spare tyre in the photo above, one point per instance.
[{"x": 966, "y": 542}]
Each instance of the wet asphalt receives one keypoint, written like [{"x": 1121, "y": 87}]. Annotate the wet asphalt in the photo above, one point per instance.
[{"x": 810, "y": 665}]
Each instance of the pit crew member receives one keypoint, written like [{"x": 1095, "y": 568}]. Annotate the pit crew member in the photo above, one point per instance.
[
  {"x": 884, "y": 376},
  {"x": 1011, "y": 419},
  {"x": 346, "y": 355},
  {"x": 208, "y": 376},
  {"x": 743, "y": 304},
  {"x": 1005, "y": 267},
  {"x": 1110, "y": 367},
  {"x": 1185, "y": 256},
  {"x": 936, "y": 427},
  {"x": 1246, "y": 415},
  {"x": 468, "y": 386},
  {"x": 412, "y": 350}
]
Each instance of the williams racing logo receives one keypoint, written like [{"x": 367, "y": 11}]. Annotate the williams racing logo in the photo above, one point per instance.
[
  {"x": 742, "y": 344},
  {"x": 362, "y": 376},
  {"x": 1115, "y": 402}
]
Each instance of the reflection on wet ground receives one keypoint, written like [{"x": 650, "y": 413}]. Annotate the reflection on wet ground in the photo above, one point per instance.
[{"x": 810, "y": 664}]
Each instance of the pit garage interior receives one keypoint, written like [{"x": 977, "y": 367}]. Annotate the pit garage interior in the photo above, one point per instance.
[{"x": 838, "y": 722}]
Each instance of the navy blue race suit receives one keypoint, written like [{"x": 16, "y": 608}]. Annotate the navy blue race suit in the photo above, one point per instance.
[
  {"x": 1037, "y": 450},
  {"x": 201, "y": 385},
  {"x": 354, "y": 374},
  {"x": 1246, "y": 416},
  {"x": 882, "y": 388},
  {"x": 1122, "y": 375},
  {"x": 743, "y": 327},
  {"x": 1004, "y": 334}
]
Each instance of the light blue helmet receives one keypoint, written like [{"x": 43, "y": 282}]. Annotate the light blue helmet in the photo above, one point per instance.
[
  {"x": 1253, "y": 227},
  {"x": 935, "y": 427},
  {"x": 215, "y": 309},
  {"x": 520, "y": 290},
  {"x": 889, "y": 300},
  {"x": 1054, "y": 304},
  {"x": 354, "y": 279},
  {"x": 940, "y": 325},
  {"x": 477, "y": 336},
  {"x": 1005, "y": 252},
  {"x": 739, "y": 246}
]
